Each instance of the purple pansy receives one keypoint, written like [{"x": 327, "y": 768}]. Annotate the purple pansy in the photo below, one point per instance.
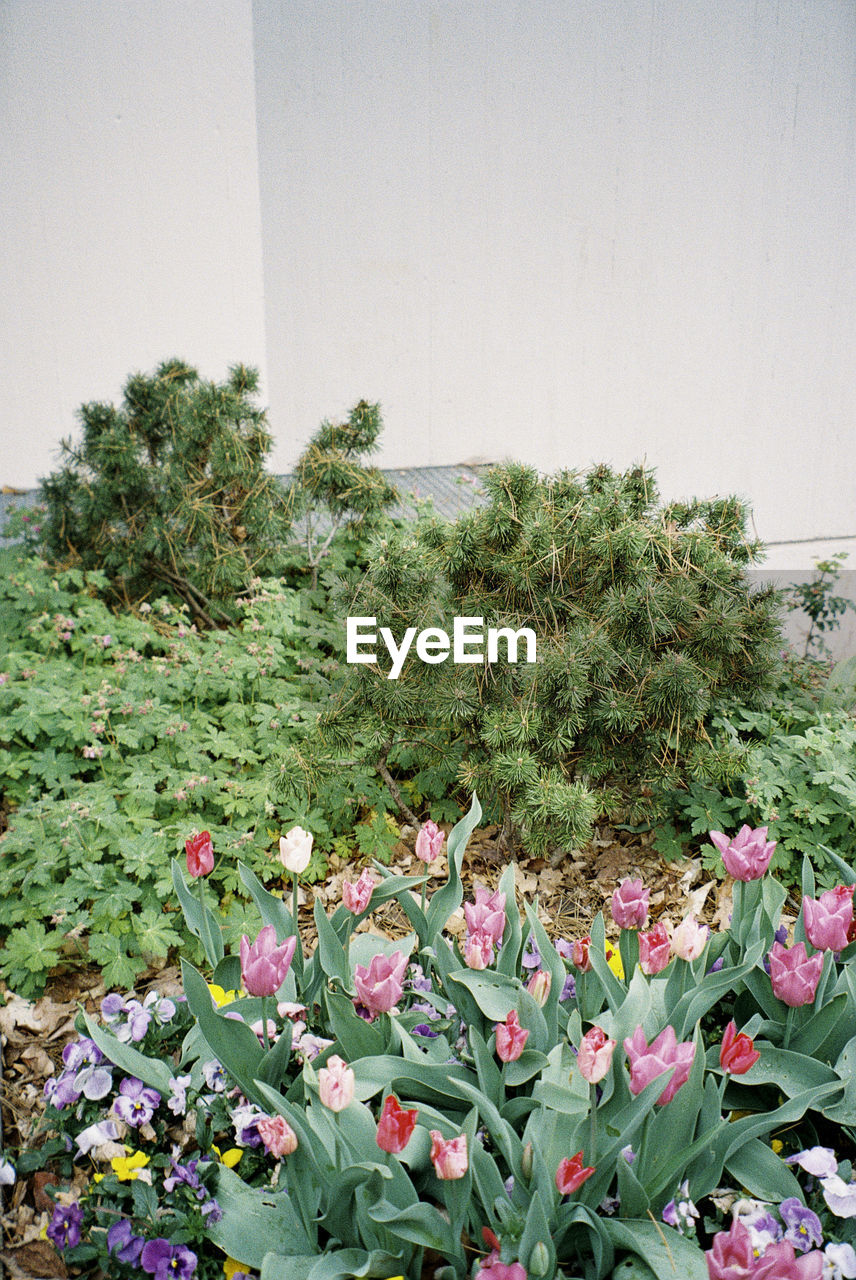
[
  {"x": 803, "y": 1229},
  {"x": 65, "y": 1224},
  {"x": 165, "y": 1261},
  {"x": 122, "y": 1241},
  {"x": 136, "y": 1103}
]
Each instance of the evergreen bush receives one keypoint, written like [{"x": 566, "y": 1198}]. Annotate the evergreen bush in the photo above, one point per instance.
[
  {"x": 169, "y": 491},
  {"x": 644, "y": 619}
]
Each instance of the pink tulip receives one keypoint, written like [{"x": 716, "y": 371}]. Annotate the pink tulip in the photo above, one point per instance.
[
  {"x": 630, "y": 904},
  {"x": 356, "y": 896},
  {"x": 648, "y": 1061},
  {"x": 336, "y": 1084},
  {"x": 395, "y": 1126},
  {"x": 748, "y": 854},
  {"x": 794, "y": 974},
  {"x": 829, "y": 919},
  {"x": 487, "y": 914},
  {"x": 733, "y": 1258},
  {"x": 277, "y": 1135},
  {"x": 491, "y": 1268},
  {"x": 580, "y": 954},
  {"x": 538, "y": 986},
  {"x": 478, "y": 953},
  {"x": 595, "y": 1055},
  {"x": 510, "y": 1038},
  {"x": 449, "y": 1158},
  {"x": 655, "y": 950},
  {"x": 689, "y": 939},
  {"x": 380, "y": 986},
  {"x": 264, "y": 965},
  {"x": 200, "y": 854},
  {"x": 429, "y": 842}
]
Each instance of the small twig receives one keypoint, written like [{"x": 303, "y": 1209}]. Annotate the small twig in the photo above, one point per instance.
[{"x": 394, "y": 790}]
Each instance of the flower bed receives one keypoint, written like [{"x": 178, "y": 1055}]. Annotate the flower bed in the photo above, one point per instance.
[{"x": 506, "y": 1106}]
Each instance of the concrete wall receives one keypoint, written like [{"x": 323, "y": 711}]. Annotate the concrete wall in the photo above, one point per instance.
[
  {"x": 565, "y": 230},
  {"x": 129, "y": 205},
  {"x": 570, "y": 230}
]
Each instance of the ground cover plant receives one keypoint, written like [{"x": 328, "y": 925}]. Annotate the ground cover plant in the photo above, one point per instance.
[
  {"x": 120, "y": 731},
  {"x": 645, "y": 623},
  {"x": 506, "y": 1107}
]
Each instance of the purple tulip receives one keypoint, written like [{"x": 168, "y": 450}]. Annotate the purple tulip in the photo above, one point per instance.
[
  {"x": 264, "y": 965},
  {"x": 648, "y": 1061},
  {"x": 829, "y": 918},
  {"x": 380, "y": 986},
  {"x": 747, "y": 855},
  {"x": 630, "y": 904},
  {"x": 794, "y": 974}
]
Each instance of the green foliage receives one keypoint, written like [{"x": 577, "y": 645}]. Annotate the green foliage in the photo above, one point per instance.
[
  {"x": 24, "y": 525},
  {"x": 644, "y": 620},
  {"x": 119, "y": 736},
  {"x": 168, "y": 492},
  {"x": 332, "y": 489},
  {"x": 815, "y": 598},
  {"x": 795, "y": 772}
]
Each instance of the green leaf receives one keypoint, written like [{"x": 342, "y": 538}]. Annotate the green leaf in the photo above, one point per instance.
[
  {"x": 669, "y": 1255},
  {"x": 152, "y": 1071},
  {"x": 252, "y": 1219},
  {"x": 764, "y": 1174},
  {"x": 422, "y": 1224},
  {"x": 448, "y": 898},
  {"x": 230, "y": 1041}
]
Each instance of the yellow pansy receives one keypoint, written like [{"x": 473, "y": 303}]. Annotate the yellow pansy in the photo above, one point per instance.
[
  {"x": 229, "y": 1158},
  {"x": 127, "y": 1168},
  {"x": 231, "y": 1265},
  {"x": 219, "y": 996},
  {"x": 613, "y": 959}
]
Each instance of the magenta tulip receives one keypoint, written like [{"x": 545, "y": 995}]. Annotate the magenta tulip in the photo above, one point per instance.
[
  {"x": 648, "y": 1061},
  {"x": 487, "y": 914},
  {"x": 380, "y": 986},
  {"x": 747, "y": 855},
  {"x": 829, "y": 919},
  {"x": 630, "y": 904},
  {"x": 264, "y": 965},
  {"x": 733, "y": 1258},
  {"x": 794, "y": 974}
]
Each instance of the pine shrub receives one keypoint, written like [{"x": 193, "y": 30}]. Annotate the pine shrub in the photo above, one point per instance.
[{"x": 645, "y": 620}]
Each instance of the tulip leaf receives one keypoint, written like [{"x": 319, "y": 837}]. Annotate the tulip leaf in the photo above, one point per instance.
[
  {"x": 334, "y": 960},
  {"x": 201, "y": 921},
  {"x": 552, "y": 963},
  {"x": 448, "y": 898},
  {"x": 512, "y": 938},
  {"x": 813, "y": 1036},
  {"x": 272, "y": 909},
  {"x": 152, "y": 1071},
  {"x": 230, "y": 1041},
  {"x": 613, "y": 988},
  {"x": 394, "y": 887},
  {"x": 494, "y": 993},
  {"x": 844, "y": 1111},
  {"x": 251, "y": 1218},
  {"x": 421, "y": 1224},
  {"x": 764, "y": 1174},
  {"x": 791, "y": 1072},
  {"x": 847, "y": 873},
  {"x": 357, "y": 1038},
  {"x": 424, "y": 1082},
  {"x": 529, "y": 1064},
  {"x": 338, "y": 1264},
  {"x": 365, "y": 946},
  {"x": 634, "y": 1198},
  {"x": 537, "y": 1231},
  {"x": 669, "y": 1255},
  {"x": 275, "y": 1061}
]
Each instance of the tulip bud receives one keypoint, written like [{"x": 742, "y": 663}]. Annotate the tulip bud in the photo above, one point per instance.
[
  {"x": 295, "y": 850},
  {"x": 539, "y": 986},
  {"x": 539, "y": 1260},
  {"x": 277, "y": 1135},
  {"x": 526, "y": 1161},
  {"x": 630, "y": 904},
  {"x": 689, "y": 939},
  {"x": 449, "y": 1157},
  {"x": 356, "y": 897},
  {"x": 747, "y": 855}
]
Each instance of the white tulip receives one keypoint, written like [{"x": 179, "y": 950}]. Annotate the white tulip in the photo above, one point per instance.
[{"x": 295, "y": 850}]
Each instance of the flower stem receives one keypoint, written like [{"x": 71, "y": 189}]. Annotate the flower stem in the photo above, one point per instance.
[
  {"x": 294, "y": 901},
  {"x": 592, "y": 1151},
  {"x": 264, "y": 1023},
  {"x": 789, "y": 1027}
]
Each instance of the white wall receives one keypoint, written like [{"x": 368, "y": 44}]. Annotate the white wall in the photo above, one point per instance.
[
  {"x": 566, "y": 230},
  {"x": 129, "y": 205},
  {"x": 570, "y": 230}
]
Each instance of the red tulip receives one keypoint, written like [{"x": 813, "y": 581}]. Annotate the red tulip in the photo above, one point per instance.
[
  {"x": 200, "y": 854},
  {"x": 571, "y": 1174},
  {"x": 580, "y": 955},
  {"x": 394, "y": 1126},
  {"x": 738, "y": 1052}
]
